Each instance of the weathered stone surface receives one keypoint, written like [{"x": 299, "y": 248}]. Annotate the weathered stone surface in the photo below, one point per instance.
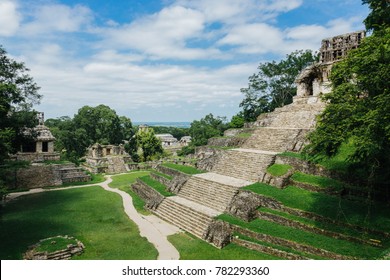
[
  {"x": 290, "y": 244},
  {"x": 161, "y": 179},
  {"x": 207, "y": 157},
  {"x": 245, "y": 203},
  {"x": 294, "y": 224},
  {"x": 151, "y": 197},
  {"x": 235, "y": 131},
  {"x": 218, "y": 233},
  {"x": 226, "y": 142},
  {"x": 268, "y": 250}
]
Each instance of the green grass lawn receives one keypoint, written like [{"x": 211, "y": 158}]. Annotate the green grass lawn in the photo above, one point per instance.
[
  {"x": 123, "y": 183},
  {"x": 161, "y": 188},
  {"x": 343, "y": 247},
  {"x": 318, "y": 181},
  {"x": 192, "y": 248},
  {"x": 163, "y": 175},
  {"x": 184, "y": 168},
  {"x": 278, "y": 169},
  {"x": 375, "y": 216},
  {"x": 92, "y": 215}
]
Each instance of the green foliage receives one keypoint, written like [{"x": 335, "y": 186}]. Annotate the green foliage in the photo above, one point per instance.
[
  {"x": 358, "y": 110},
  {"x": 149, "y": 144},
  {"x": 184, "y": 168},
  {"x": 18, "y": 92},
  {"x": 237, "y": 121},
  {"x": 161, "y": 188},
  {"x": 273, "y": 86},
  {"x": 92, "y": 215},
  {"x": 379, "y": 16},
  {"x": 278, "y": 169},
  {"x": 206, "y": 128},
  {"x": 186, "y": 150},
  {"x": 91, "y": 125}
]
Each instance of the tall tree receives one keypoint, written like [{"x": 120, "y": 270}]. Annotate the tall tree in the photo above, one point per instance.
[
  {"x": 18, "y": 92},
  {"x": 207, "y": 127},
  {"x": 379, "y": 16},
  {"x": 273, "y": 86},
  {"x": 149, "y": 144},
  {"x": 358, "y": 109}
]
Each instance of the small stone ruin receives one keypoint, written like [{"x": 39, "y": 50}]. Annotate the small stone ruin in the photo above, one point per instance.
[{"x": 66, "y": 253}]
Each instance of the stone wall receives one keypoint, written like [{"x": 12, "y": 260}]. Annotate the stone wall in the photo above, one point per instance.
[
  {"x": 290, "y": 244},
  {"x": 37, "y": 176},
  {"x": 267, "y": 250},
  {"x": 226, "y": 142},
  {"x": 219, "y": 233},
  {"x": 160, "y": 179},
  {"x": 235, "y": 131},
  {"x": 151, "y": 197},
  {"x": 178, "y": 181},
  {"x": 294, "y": 224},
  {"x": 207, "y": 157},
  {"x": 245, "y": 203}
]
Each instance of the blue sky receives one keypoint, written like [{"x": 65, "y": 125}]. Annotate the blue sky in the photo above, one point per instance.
[{"x": 161, "y": 60}]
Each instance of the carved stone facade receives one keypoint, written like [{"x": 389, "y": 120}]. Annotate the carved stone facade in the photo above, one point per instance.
[
  {"x": 107, "y": 159},
  {"x": 42, "y": 148},
  {"x": 313, "y": 81}
]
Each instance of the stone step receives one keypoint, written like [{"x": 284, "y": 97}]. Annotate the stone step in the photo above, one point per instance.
[
  {"x": 292, "y": 116},
  {"x": 276, "y": 139},
  {"x": 188, "y": 215},
  {"x": 207, "y": 192},
  {"x": 245, "y": 164}
]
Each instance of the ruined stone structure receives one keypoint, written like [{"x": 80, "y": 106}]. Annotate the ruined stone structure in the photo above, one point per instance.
[
  {"x": 107, "y": 159},
  {"x": 313, "y": 81},
  {"x": 42, "y": 148},
  {"x": 205, "y": 196},
  {"x": 167, "y": 140}
]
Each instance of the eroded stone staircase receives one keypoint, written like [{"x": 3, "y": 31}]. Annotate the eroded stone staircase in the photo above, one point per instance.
[
  {"x": 69, "y": 173},
  {"x": 206, "y": 196}
]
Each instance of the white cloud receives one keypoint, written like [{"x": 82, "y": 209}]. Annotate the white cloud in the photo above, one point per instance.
[
  {"x": 9, "y": 18},
  {"x": 57, "y": 18},
  {"x": 254, "y": 38},
  {"x": 162, "y": 35}
]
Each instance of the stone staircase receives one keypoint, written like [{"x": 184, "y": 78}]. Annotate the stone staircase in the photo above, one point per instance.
[
  {"x": 276, "y": 139},
  {"x": 190, "y": 216},
  {"x": 295, "y": 115},
  {"x": 205, "y": 196},
  {"x": 69, "y": 173},
  {"x": 212, "y": 190},
  {"x": 245, "y": 164}
]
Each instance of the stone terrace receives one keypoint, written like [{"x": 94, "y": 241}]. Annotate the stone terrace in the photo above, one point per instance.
[{"x": 206, "y": 196}]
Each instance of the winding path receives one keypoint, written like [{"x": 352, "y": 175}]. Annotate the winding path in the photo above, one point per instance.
[{"x": 153, "y": 228}]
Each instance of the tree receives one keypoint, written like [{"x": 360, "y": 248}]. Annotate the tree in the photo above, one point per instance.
[
  {"x": 237, "y": 121},
  {"x": 358, "y": 110},
  {"x": 273, "y": 86},
  {"x": 379, "y": 16},
  {"x": 91, "y": 125},
  {"x": 149, "y": 144},
  {"x": 18, "y": 92},
  {"x": 207, "y": 127},
  {"x": 101, "y": 123}
]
